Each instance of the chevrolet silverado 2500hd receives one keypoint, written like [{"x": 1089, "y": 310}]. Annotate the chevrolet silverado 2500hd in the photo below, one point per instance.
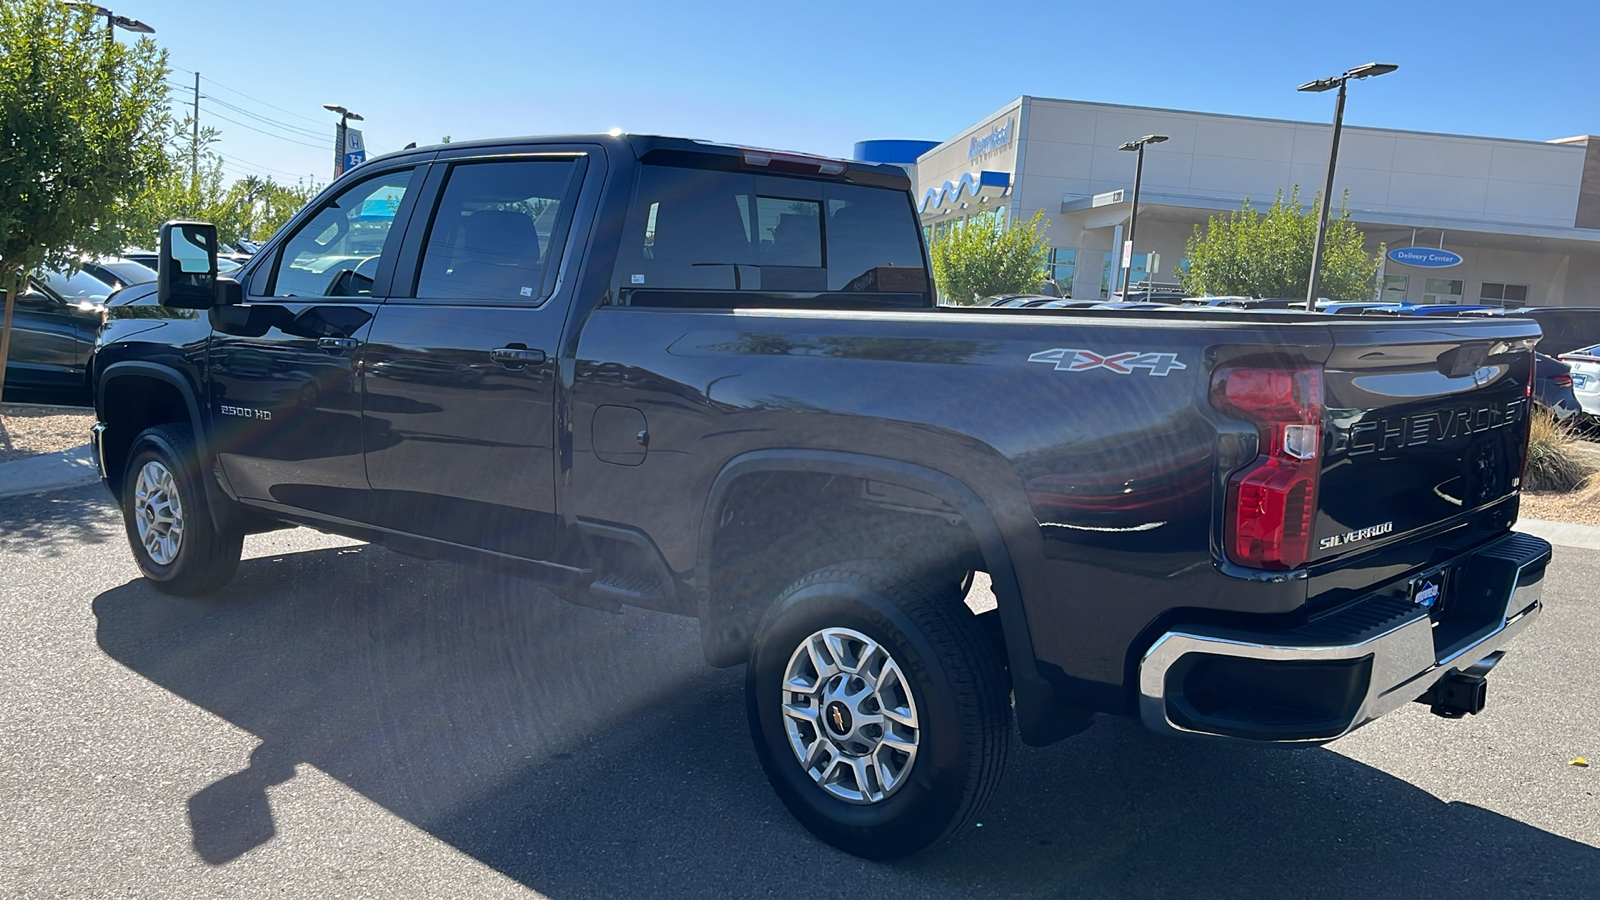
[{"x": 714, "y": 381}]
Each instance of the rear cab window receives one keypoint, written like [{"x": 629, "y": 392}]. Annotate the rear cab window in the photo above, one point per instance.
[{"x": 721, "y": 239}]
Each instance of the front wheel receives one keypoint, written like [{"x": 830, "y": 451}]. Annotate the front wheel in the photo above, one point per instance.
[
  {"x": 169, "y": 525},
  {"x": 878, "y": 708}
]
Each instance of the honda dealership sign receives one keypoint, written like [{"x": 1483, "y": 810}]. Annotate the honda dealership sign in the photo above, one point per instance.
[
  {"x": 355, "y": 151},
  {"x": 1424, "y": 257}
]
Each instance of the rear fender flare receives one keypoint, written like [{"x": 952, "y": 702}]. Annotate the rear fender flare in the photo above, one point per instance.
[{"x": 1040, "y": 717}]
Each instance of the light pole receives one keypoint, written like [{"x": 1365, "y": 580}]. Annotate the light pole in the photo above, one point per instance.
[
  {"x": 345, "y": 117},
  {"x": 113, "y": 21},
  {"x": 1133, "y": 215},
  {"x": 1369, "y": 70}
]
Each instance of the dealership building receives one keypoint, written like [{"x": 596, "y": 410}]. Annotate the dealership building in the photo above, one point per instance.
[{"x": 1465, "y": 219}]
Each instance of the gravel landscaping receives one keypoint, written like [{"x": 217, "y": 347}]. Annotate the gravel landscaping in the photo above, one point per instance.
[{"x": 29, "y": 430}]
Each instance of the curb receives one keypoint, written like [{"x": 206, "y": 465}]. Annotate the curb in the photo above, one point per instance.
[
  {"x": 1563, "y": 534},
  {"x": 49, "y": 472}
]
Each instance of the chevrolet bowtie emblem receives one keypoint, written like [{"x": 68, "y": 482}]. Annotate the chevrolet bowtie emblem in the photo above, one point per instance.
[{"x": 838, "y": 718}]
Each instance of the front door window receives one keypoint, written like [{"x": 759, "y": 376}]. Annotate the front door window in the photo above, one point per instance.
[{"x": 338, "y": 251}]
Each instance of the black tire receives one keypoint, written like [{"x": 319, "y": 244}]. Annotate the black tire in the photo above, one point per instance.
[
  {"x": 206, "y": 558},
  {"x": 959, "y": 686}
]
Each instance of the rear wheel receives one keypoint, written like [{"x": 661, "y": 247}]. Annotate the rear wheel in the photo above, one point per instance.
[
  {"x": 167, "y": 519},
  {"x": 878, "y": 708}
]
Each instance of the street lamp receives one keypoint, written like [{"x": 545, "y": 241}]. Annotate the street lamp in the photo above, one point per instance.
[
  {"x": 1133, "y": 216},
  {"x": 345, "y": 117},
  {"x": 113, "y": 21},
  {"x": 1370, "y": 70}
]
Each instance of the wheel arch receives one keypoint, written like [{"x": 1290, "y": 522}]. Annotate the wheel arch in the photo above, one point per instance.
[
  {"x": 726, "y": 635},
  {"x": 173, "y": 400}
]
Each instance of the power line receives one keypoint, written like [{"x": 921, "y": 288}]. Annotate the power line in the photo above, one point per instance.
[
  {"x": 292, "y": 129},
  {"x": 263, "y": 102},
  {"x": 239, "y": 160},
  {"x": 270, "y": 134}
]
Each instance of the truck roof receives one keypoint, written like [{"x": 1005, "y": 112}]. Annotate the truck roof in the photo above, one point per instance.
[{"x": 669, "y": 148}]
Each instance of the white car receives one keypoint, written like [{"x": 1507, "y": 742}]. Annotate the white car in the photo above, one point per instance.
[{"x": 1585, "y": 365}]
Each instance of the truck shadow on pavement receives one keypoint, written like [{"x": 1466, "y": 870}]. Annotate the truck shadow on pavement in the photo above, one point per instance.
[{"x": 587, "y": 754}]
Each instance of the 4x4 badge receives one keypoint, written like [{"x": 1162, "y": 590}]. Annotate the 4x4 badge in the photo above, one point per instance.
[{"x": 1121, "y": 363}]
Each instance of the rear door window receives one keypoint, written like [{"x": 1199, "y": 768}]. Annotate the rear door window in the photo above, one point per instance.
[
  {"x": 693, "y": 230},
  {"x": 499, "y": 230}
]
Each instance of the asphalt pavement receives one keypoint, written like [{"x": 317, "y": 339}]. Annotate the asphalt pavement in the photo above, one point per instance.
[{"x": 343, "y": 721}]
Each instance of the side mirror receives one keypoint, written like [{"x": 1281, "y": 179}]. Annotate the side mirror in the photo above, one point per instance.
[
  {"x": 32, "y": 298},
  {"x": 186, "y": 271}
]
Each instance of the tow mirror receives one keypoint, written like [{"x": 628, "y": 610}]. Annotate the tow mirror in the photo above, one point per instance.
[{"x": 186, "y": 272}]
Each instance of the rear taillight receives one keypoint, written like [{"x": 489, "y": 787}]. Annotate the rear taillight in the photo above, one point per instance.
[
  {"x": 1562, "y": 380},
  {"x": 1527, "y": 409},
  {"x": 1273, "y": 501}
]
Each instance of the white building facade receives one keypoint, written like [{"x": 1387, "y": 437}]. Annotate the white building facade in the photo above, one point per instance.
[{"x": 1520, "y": 219}]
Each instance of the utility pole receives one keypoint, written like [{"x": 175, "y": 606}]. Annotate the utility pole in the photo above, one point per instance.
[{"x": 194, "y": 142}]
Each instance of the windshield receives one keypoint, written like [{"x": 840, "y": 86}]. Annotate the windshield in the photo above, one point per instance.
[
  {"x": 76, "y": 287},
  {"x": 126, "y": 271}
]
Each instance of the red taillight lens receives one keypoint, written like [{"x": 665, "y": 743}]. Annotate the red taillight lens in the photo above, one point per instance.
[
  {"x": 1272, "y": 501},
  {"x": 1563, "y": 380}
]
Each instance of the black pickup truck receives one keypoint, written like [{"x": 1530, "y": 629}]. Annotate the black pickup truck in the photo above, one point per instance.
[{"x": 715, "y": 381}]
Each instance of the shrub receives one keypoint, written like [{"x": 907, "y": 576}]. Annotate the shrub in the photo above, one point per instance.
[
  {"x": 983, "y": 257},
  {"x": 1552, "y": 463}
]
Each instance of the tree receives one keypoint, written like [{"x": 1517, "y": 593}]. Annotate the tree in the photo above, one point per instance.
[
  {"x": 81, "y": 124},
  {"x": 982, "y": 257},
  {"x": 252, "y": 208},
  {"x": 1251, "y": 254}
]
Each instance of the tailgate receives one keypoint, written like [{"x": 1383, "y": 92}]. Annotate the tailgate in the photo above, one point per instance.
[{"x": 1424, "y": 426}]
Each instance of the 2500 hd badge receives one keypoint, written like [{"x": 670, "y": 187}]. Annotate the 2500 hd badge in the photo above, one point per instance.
[{"x": 1350, "y": 537}]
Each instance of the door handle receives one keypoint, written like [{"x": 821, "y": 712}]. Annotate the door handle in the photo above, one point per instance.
[
  {"x": 338, "y": 343},
  {"x": 516, "y": 356}
]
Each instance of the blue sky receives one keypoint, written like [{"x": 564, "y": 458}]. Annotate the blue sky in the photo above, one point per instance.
[{"x": 819, "y": 76}]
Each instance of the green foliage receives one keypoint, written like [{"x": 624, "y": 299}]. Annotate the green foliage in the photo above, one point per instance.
[
  {"x": 1251, "y": 254},
  {"x": 81, "y": 124},
  {"x": 983, "y": 257},
  {"x": 251, "y": 208}
]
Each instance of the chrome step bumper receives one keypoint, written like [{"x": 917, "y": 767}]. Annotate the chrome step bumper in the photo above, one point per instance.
[{"x": 1341, "y": 670}]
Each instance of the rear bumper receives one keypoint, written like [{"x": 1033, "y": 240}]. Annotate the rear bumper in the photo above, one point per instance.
[{"x": 1324, "y": 679}]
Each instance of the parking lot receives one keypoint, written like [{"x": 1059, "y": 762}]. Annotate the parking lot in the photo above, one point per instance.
[{"x": 347, "y": 722}]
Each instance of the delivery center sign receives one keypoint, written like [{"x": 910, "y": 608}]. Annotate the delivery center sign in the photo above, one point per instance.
[{"x": 1424, "y": 257}]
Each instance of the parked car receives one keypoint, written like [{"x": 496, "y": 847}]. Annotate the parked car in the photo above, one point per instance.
[
  {"x": 581, "y": 359},
  {"x": 1356, "y": 307},
  {"x": 1067, "y": 303},
  {"x": 117, "y": 272},
  {"x": 1015, "y": 300},
  {"x": 148, "y": 258},
  {"x": 1248, "y": 302},
  {"x": 1554, "y": 388},
  {"x": 53, "y": 328},
  {"x": 1585, "y": 372},
  {"x": 1150, "y": 295},
  {"x": 1427, "y": 309}
]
